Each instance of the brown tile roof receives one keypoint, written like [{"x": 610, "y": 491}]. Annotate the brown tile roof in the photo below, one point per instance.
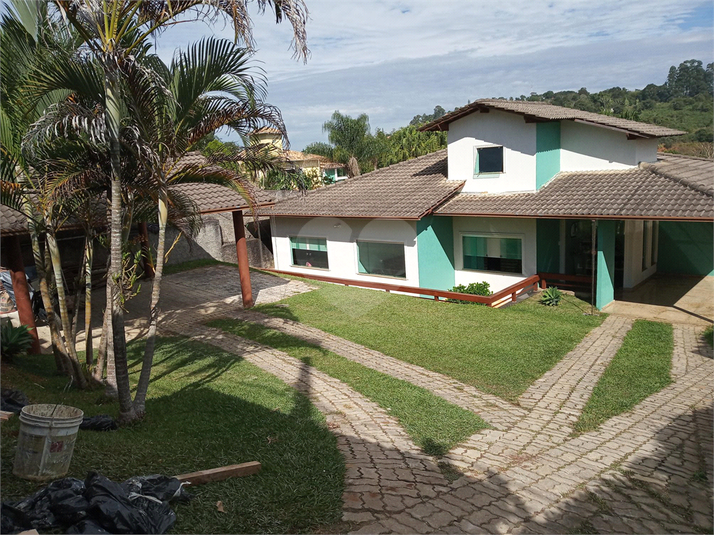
[
  {"x": 695, "y": 172},
  {"x": 407, "y": 190},
  {"x": 216, "y": 198},
  {"x": 631, "y": 193},
  {"x": 549, "y": 112},
  {"x": 12, "y": 222}
]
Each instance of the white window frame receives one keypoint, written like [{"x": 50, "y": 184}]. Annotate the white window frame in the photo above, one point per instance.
[
  {"x": 312, "y": 237},
  {"x": 489, "y": 174},
  {"x": 499, "y": 235},
  {"x": 356, "y": 257}
]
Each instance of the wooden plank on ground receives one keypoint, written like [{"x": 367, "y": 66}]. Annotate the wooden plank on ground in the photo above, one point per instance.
[
  {"x": 219, "y": 474},
  {"x": 6, "y": 415}
]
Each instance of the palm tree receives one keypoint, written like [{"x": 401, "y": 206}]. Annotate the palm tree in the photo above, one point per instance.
[
  {"x": 351, "y": 139},
  {"x": 28, "y": 38},
  {"x": 113, "y": 31},
  {"x": 208, "y": 87}
]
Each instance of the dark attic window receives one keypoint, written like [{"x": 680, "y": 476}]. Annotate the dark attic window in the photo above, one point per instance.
[{"x": 489, "y": 160}]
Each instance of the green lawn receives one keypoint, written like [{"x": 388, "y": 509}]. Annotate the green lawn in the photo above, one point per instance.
[
  {"x": 434, "y": 424},
  {"x": 640, "y": 368},
  {"x": 207, "y": 408},
  {"x": 501, "y": 351}
]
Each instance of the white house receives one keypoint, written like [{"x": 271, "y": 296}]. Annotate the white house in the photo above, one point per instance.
[{"x": 521, "y": 189}]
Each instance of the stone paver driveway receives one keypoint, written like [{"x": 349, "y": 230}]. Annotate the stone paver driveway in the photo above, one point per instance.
[{"x": 645, "y": 471}]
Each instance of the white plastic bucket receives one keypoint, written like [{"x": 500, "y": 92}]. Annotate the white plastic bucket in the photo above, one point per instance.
[{"x": 46, "y": 441}]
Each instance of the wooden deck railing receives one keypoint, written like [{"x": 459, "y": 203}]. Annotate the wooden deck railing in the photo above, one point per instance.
[{"x": 497, "y": 299}]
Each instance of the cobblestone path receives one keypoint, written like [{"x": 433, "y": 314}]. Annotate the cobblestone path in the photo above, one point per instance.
[{"x": 646, "y": 471}]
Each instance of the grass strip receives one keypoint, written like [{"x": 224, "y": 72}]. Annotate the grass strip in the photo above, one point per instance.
[
  {"x": 500, "y": 351},
  {"x": 207, "y": 408},
  {"x": 640, "y": 368},
  {"x": 434, "y": 424}
]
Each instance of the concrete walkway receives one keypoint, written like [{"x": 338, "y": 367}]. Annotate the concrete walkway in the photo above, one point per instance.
[{"x": 645, "y": 471}]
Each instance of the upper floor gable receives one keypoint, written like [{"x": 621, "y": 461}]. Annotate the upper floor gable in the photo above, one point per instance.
[{"x": 499, "y": 146}]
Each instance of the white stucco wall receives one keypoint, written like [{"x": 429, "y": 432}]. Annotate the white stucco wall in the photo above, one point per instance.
[
  {"x": 494, "y": 128},
  {"x": 341, "y": 236},
  {"x": 591, "y": 148},
  {"x": 634, "y": 235},
  {"x": 501, "y": 227}
]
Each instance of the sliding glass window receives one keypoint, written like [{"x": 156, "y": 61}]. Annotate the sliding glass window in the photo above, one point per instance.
[
  {"x": 309, "y": 252},
  {"x": 378, "y": 258}
]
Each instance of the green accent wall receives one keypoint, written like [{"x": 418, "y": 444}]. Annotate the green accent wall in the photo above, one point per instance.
[
  {"x": 435, "y": 248},
  {"x": 686, "y": 248},
  {"x": 547, "y": 152},
  {"x": 548, "y": 245},
  {"x": 605, "y": 289}
]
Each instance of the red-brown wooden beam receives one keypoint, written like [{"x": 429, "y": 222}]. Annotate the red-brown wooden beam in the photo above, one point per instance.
[
  {"x": 242, "y": 254},
  {"x": 22, "y": 291},
  {"x": 145, "y": 251}
]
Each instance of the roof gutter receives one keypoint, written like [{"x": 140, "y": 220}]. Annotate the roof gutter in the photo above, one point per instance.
[{"x": 580, "y": 216}]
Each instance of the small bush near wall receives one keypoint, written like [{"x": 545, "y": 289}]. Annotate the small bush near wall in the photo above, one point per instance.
[{"x": 475, "y": 288}]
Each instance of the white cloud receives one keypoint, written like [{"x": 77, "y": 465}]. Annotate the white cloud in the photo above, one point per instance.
[{"x": 393, "y": 60}]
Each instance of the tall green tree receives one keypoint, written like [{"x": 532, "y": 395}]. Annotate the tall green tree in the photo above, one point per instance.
[
  {"x": 208, "y": 87},
  {"x": 352, "y": 140},
  {"x": 113, "y": 31}
]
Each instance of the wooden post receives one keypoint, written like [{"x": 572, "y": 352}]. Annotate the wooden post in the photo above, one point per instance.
[
  {"x": 22, "y": 292},
  {"x": 543, "y": 284},
  {"x": 242, "y": 254},
  {"x": 145, "y": 251}
]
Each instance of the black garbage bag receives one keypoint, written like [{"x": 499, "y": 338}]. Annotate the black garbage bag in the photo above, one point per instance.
[
  {"x": 39, "y": 511},
  {"x": 68, "y": 503},
  {"x": 13, "y": 400},
  {"x": 111, "y": 506},
  {"x": 101, "y": 422},
  {"x": 87, "y": 526},
  {"x": 163, "y": 488}
]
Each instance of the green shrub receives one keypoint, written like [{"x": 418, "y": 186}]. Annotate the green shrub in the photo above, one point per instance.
[
  {"x": 14, "y": 341},
  {"x": 709, "y": 335},
  {"x": 475, "y": 288},
  {"x": 551, "y": 296}
]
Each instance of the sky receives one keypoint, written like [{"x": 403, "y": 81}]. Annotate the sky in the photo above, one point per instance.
[{"x": 396, "y": 59}]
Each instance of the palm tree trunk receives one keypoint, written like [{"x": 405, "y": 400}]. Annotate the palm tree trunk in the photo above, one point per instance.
[
  {"x": 42, "y": 263},
  {"x": 114, "y": 277},
  {"x": 88, "y": 346},
  {"x": 78, "y": 374},
  {"x": 78, "y": 292},
  {"x": 145, "y": 377}
]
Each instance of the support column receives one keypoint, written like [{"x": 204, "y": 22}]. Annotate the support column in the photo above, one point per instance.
[
  {"x": 242, "y": 254},
  {"x": 146, "y": 251},
  {"x": 605, "y": 292},
  {"x": 22, "y": 292}
]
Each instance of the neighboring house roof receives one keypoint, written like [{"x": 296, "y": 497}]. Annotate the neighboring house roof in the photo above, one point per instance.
[
  {"x": 297, "y": 156},
  {"x": 541, "y": 111},
  {"x": 676, "y": 187},
  {"x": 267, "y": 130},
  {"x": 407, "y": 190}
]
